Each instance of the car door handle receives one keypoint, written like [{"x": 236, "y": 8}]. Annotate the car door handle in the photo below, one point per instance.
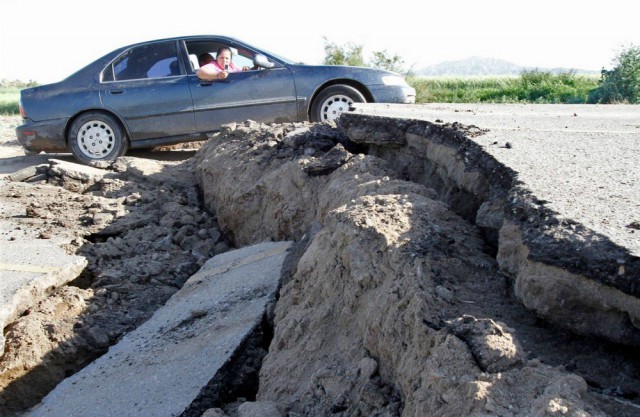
[{"x": 116, "y": 91}]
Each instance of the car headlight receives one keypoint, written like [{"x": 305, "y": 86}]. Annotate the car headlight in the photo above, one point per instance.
[{"x": 393, "y": 80}]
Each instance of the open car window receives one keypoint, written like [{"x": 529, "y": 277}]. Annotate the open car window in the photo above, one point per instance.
[{"x": 241, "y": 56}]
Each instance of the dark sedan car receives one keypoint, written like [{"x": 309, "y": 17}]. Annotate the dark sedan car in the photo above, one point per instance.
[{"x": 148, "y": 94}]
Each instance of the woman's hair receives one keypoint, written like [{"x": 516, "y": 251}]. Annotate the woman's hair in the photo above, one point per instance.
[{"x": 222, "y": 48}]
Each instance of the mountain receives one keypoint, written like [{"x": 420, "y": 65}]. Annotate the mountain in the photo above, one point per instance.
[{"x": 479, "y": 66}]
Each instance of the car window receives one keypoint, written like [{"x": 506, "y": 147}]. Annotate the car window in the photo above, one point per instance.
[
  {"x": 239, "y": 60},
  {"x": 165, "y": 68},
  {"x": 242, "y": 57},
  {"x": 154, "y": 60}
]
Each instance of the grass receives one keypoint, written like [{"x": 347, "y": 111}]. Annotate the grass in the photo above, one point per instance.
[
  {"x": 529, "y": 87},
  {"x": 10, "y": 94},
  {"x": 9, "y": 97}
]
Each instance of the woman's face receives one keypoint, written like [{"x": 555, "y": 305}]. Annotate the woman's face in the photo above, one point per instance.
[{"x": 224, "y": 58}]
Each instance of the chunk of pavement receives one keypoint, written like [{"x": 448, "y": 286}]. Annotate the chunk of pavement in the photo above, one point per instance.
[
  {"x": 83, "y": 173},
  {"x": 329, "y": 162},
  {"x": 160, "y": 368},
  {"x": 492, "y": 345},
  {"x": 28, "y": 273},
  {"x": 24, "y": 174}
]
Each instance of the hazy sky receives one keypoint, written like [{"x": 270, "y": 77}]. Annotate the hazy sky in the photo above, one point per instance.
[{"x": 46, "y": 40}]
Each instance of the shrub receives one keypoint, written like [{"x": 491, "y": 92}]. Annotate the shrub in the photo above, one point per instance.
[{"x": 9, "y": 109}]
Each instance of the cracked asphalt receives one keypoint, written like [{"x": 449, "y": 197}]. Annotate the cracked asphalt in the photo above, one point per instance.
[{"x": 580, "y": 160}]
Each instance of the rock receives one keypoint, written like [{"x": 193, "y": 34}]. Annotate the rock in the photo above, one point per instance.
[
  {"x": 258, "y": 409},
  {"x": 214, "y": 412},
  {"x": 493, "y": 347},
  {"x": 328, "y": 162}
]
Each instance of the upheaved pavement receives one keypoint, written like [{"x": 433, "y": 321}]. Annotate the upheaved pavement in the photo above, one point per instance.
[
  {"x": 556, "y": 188},
  {"x": 581, "y": 160},
  {"x": 161, "y": 368}
]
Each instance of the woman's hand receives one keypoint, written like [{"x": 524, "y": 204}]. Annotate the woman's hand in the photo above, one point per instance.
[{"x": 222, "y": 75}]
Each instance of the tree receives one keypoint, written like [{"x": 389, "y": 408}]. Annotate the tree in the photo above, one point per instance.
[
  {"x": 382, "y": 60},
  {"x": 622, "y": 83},
  {"x": 350, "y": 54}
]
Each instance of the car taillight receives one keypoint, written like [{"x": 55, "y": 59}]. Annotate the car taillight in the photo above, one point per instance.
[{"x": 23, "y": 113}]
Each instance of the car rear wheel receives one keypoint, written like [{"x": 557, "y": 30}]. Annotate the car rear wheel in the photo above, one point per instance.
[
  {"x": 96, "y": 137},
  {"x": 334, "y": 100}
]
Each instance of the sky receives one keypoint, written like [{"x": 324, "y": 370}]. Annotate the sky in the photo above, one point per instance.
[{"x": 45, "y": 41}]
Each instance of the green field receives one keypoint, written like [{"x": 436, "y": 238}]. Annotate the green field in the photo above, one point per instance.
[
  {"x": 9, "y": 97},
  {"x": 529, "y": 87}
]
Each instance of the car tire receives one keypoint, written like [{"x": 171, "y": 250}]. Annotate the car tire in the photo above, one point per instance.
[
  {"x": 334, "y": 100},
  {"x": 96, "y": 137}
]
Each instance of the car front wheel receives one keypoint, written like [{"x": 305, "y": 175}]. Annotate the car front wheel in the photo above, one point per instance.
[
  {"x": 334, "y": 100},
  {"x": 96, "y": 137}
]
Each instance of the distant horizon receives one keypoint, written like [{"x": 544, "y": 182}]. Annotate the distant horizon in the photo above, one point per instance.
[
  {"x": 497, "y": 59},
  {"x": 500, "y": 67}
]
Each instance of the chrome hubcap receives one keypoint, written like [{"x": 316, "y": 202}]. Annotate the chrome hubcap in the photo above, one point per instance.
[
  {"x": 95, "y": 139},
  {"x": 334, "y": 106}
]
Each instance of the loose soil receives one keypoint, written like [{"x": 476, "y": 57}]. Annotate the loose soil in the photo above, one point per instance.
[{"x": 143, "y": 232}]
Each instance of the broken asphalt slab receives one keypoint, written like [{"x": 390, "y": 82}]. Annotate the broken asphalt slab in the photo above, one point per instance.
[
  {"x": 163, "y": 366},
  {"x": 30, "y": 268},
  {"x": 28, "y": 272}
]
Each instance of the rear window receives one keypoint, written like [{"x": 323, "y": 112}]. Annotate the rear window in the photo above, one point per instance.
[{"x": 154, "y": 60}]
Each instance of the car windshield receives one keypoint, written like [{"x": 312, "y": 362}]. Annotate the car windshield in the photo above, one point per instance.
[{"x": 277, "y": 56}]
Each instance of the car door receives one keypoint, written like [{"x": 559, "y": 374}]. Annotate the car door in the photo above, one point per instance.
[
  {"x": 148, "y": 88},
  {"x": 265, "y": 95}
]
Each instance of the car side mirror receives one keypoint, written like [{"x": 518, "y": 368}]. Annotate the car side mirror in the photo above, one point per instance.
[{"x": 261, "y": 61}]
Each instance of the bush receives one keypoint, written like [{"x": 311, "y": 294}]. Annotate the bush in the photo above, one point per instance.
[
  {"x": 9, "y": 109},
  {"x": 622, "y": 83},
  {"x": 546, "y": 87}
]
